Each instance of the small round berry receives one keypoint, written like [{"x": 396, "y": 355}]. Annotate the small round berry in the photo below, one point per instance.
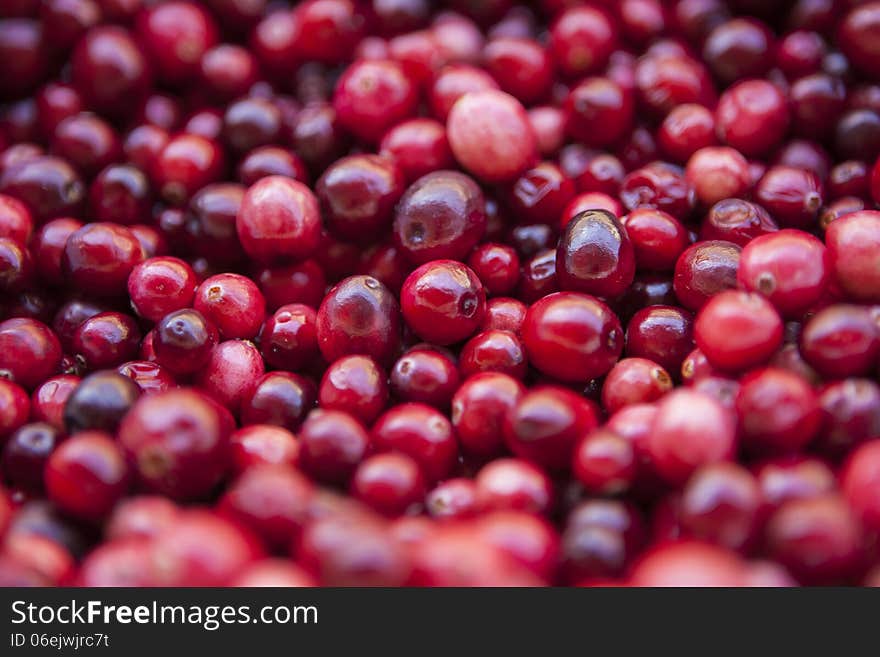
[
  {"x": 231, "y": 373},
  {"x": 425, "y": 375},
  {"x": 478, "y": 410},
  {"x": 851, "y": 242},
  {"x": 595, "y": 255},
  {"x": 514, "y": 485},
  {"x": 29, "y": 352},
  {"x": 161, "y": 285},
  {"x": 422, "y": 433},
  {"x": 634, "y": 381},
  {"x": 183, "y": 341},
  {"x": 752, "y": 116},
  {"x": 356, "y": 385},
  {"x": 99, "y": 257},
  {"x": 841, "y": 341},
  {"x": 99, "y": 402},
  {"x": 233, "y": 304},
  {"x": 389, "y": 483},
  {"x": 332, "y": 444},
  {"x": 289, "y": 339}
]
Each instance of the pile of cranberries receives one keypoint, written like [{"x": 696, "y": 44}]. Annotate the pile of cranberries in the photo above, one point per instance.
[{"x": 410, "y": 292}]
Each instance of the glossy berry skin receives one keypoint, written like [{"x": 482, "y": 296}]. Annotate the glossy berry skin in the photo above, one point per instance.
[
  {"x": 490, "y": 135},
  {"x": 663, "y": 334},
  {"x": 332, "y": 444},
  {"x": 704, "y": 270},
  {"x": 288, "y": 339},
  {"x": 493, "y": 351},
  {"x": 359, "y": 316},
  {"x": 599, "y": 112},
  {"x": 106, "y": 340},
  {"x": 851, "y": 244},
  {"x": 441, "y": 216},
  {"x": 497, "y": 266},
  {"x": 572, "y": 337},
  {"x": 232, "y": 303},
  {"x": 158, "y": 286},
  {"x": 546, "y": 423},
  {"x": 121, "y": 194},
  {"x": 657, "y": 238},
  {"x": 425, "y": 375},
  {"x": 25, "y": 454},
  {"x": 418, "y": 146},
  {"x": 595, "y": 255},
  {"x": 15, "y": 407},
  {"x": 857, "y": 33},
  {"x": 778, "y": 411},
  {"x": 634, "y": 381},
  {"x": 231, "y": 373},
  {"x": 582, "y": 39},
  {"x": 48, "y": 401},
  {"x": 752, "y": 117},
  {"x": 738, "y": 330},
  {"x": 148, "y": 376},
  {"x": 685, "y": 130},
  {"x": 372, "y": 96},
  {"x": 29, "y": 352},
  {"x": 358, "y": 194},
  {"x": 279, "y": 398},
  {"x": 789, "y": 267},
  {"x": 658, "y": 185},
  {"x": 175, "y": 36},
  {"x": 859, "y": 481},
  {"x": 690, "y": 429},
  {"x": 718, "y": 173},
  {"x": 541, "y": 193},
  {"x": 389, "y": 483},
  {"x": 48, "y": 185},
  {"x": 183, "y": 341},
  {"x": 452, "y": 499},
  {"x": 513, "y": 485},
  {"x": 178, "y": 443},
  {"x": 605, "y": 463},
  {"x": 87, "y": 474},
  {"x": 818, "y": 539},
  {"x": 16, "y": 222},
  {"x": 278, "y": 218},
  {"x": 504, "y": 314},
  {"x": 443, "y": 302},
  {"x": 186, "y": 163},
  {"x": 722, "y": 503},
  {"x": 738, "y": 221},
  {"x": 99, "y": 257},
  {"x": 792, "y": 195},
  {"x": 356, "y": 385},
  {"x": 478, "y": 410},
  {"x": 262, "y": 444},
  {"x": 422, "y": 433},
  {"x": 841, "y": 341}
]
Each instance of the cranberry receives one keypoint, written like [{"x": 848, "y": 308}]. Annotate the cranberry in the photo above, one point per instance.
[
  {"x": 704, "y": 270},
  {"x": 752, "y": 117},
  {"x": 739, "y": 48},
  {"x": 185, "y": 164},
  {"x": 789, "y": 267},
  {"x": 99, "y": 402},
  {"x": 738, "y": 221},
  {"x": 582, "y": 39},
  {"x": 497, "y": 266},
  {"x": 856, "y": 34},
  {"x": 48, "y": 185},
  {"x": 228, "y": 71},
  {"x": 738, "y": 330},
  {"x": 793, "y": 196},
  {"x": 262, "y": 444},
  {"x": 658, "y": 238},
  {"x": 149, "y": 377},
  {"x": 373, "y": 96},
  {"x": 663, "y": 334},
  {"x": 817, "y": 101},
  {"x": 859, "y": 483},
  {"x": 685, "y": 130},
  {"x": 87, "y": 142},
  {"x": 690, "y": 430},
  {"x": 595, "y": 255},
  {"x": 504, "y": 314},
  {"x": 442, "y": 215},
  {"x": 666, "y": 80},
  {"x": 418, "y": 146},
  {"x": 176, "y": 35},
  {"x": 605, "y": 463},
  {"x": 278, "y": 218},
  {"x": 106, "y": 340},
  {"x": 490, "y": 135},
  {"x": 493, "y": 351},
  {"x": 16, "y": 266},
  {"x": 443, "y": 301},
  {"x": 49, "y": 400},
  {"x": 818, "y": 539},
  {"x": 16, "y": 222},
  {"x": 231, "y": 372},
  {"x": 541, "y": 193},
  {"x": 778, "y": 411},
  {"x": 851, "y": 413},
  {"x": 599, "y": 112},
  {"x": 110, "y": 70},
  {"x": 178, "y": 442},
  {"x": 572, "y": 337},
  {"x": 634, "y": 381},
  {"x": 513, "y": 484},
  {"x": 420, "y": 432},
  {"x": 265, "y": 161},
  {"x": 600, "y": 539},
  {"x": 538, "y": 276},
  {"x": 29, "y": 352},
  {"x": 143, "y": 144},
  {"x": 591, "y": 201},
  {"x": 602, "y": 173},
  {"x": 452, "y": 499},
  {"x": 841, "y": 341},
  {"x": 793, "y": 477},
  {"x": 300, "y": 283},
  {"x": 358, "y": 316},
  {"x": 800, "y": 53},
  {"x": 389, "y": 483},
  {"x": 25, "y": 454},
  {"x": 850, "y": 241},
  {"x": 546, "y": 423},
  {"x": 658, "y": 185},
  {"x": 718, "y": 173},
  {"x": 356, "y": 385},
  {"x": 158, "y": 286},
  {"x": 232, "y": 303},
  {"x": 279, "y": 398},
  {"x": 453, "y": 82},
  {"x": 141, "y": 517},
  {"x": 425, "y": 375},
  {"x": 121, "y": 194},
  {"x": 87, "y": 474}
]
